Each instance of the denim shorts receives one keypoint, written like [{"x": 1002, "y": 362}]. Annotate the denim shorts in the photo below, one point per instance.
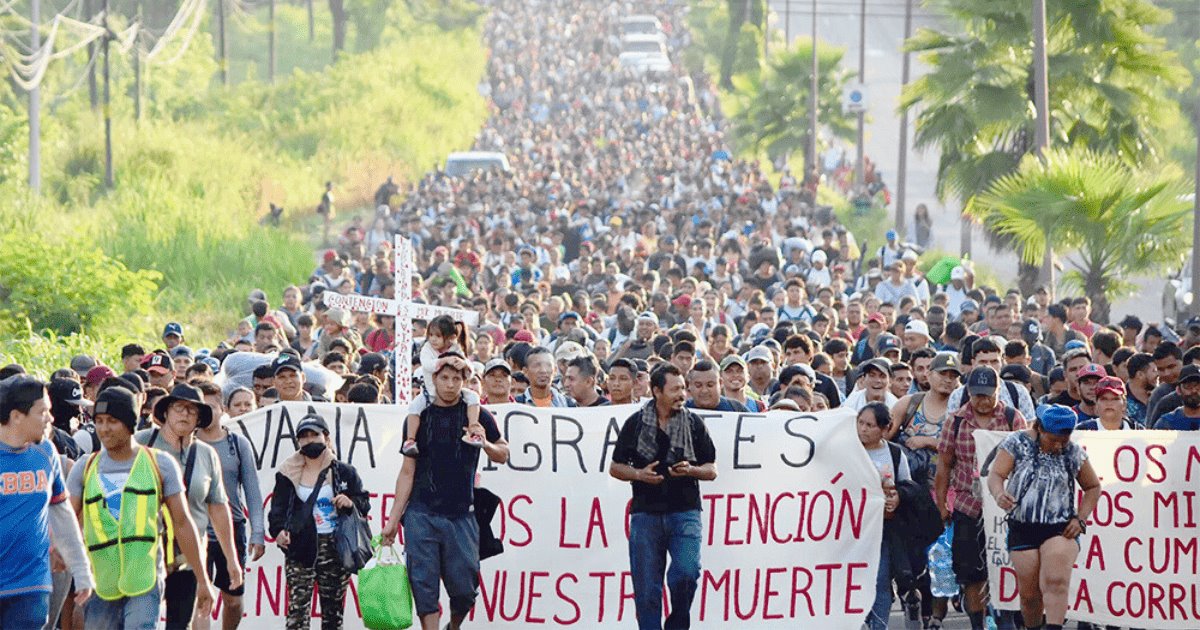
[{"x": 442, "y": 549}]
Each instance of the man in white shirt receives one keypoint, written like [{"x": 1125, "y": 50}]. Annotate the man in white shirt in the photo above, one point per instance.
[{"x": 873, "y": 380}]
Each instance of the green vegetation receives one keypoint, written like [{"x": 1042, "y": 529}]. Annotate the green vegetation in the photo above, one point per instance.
[
  {"x": 1113, "y": 88},
  {"x": 1118, "y": 220},
  {"x": 180, "y": 233}
]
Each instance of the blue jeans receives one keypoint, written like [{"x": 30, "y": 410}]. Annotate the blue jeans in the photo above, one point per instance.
[
  {"x": 28, "y": 610},
  {"x": 127, "y": 613},
  {"x": 651, "y": 538},
  {"x": 881, "y": 610},
  {"x": 442, "y": 550}
]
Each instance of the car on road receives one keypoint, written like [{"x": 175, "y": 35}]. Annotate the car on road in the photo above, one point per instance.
[
  {"x": 461, "y": 163},
  {"x": 644, "y": 44},
  {"x": 645, "y": 64},
  {"x": 640, "y": 25}
]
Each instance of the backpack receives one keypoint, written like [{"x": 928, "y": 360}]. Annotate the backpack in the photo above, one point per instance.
[{"x": 914, "y": 403}]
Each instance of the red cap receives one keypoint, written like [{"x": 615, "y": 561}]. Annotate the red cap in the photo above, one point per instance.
[
  {"x": 682, "y": 301},
  {"x": 1091, "y": 369},
  {"x": 523, "y": 335},
  {"x": 330, "y": 255},
  {"x": 1110, "y": 385},
  {"x": 96, "y": 375},
  {"x": 877, "y": 317}
]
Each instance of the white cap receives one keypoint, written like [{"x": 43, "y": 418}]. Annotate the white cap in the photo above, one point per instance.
[
  {"x": 909, "y": 255},
  {"x": 958, "y": 273},
  {"x": 917, "y": 327},
  {"x": 819, "y": 256}
]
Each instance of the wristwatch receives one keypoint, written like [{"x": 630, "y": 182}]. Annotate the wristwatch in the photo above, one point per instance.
[{"x": 1082, "y": 525}]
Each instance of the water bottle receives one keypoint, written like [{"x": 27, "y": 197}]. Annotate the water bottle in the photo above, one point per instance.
[{"x": 942, "y": 582}]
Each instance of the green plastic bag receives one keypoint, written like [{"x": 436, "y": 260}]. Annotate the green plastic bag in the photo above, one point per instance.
[{"x": 384, "y": 594}]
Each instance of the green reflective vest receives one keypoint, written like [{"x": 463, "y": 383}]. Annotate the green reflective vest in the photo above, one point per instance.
[{"x": 124, "y": 552}]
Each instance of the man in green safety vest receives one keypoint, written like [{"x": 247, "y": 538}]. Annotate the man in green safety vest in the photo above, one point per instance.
[{"x": 118, "y": 495}]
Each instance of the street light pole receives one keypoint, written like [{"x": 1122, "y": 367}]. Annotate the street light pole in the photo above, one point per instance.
[
  {"x": 859, "y": 166},
  {"x": 902, "y": 170},
  {"x": 108, "y": 150},
  {"x": 813, "y": 86},
  {"x": 35, "y": 105},
  {"x": 1041, "y": 97}
]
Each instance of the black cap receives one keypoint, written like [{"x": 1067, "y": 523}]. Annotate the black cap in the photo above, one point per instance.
[
  {"x": 119, "y": 403},
  {"x": 371, "y": 362},
  {"x": 1190, "y": 372},
  {"x": 1031, "y": 331},
  {"x": 65, "y": 391},
  {"x": 312, "y": 422},
  {"x": 285, "y": 362},
  {"x": 878, "y": 363},
  {"x": 1016, "y": 372},
  {"x": 983, "y": 381}
]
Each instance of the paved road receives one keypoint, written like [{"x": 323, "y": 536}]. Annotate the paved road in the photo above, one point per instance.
[{"x": 838, "y": 23}]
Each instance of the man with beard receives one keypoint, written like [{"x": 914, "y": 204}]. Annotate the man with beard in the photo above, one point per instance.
[
  {"x": 664, "y": 450},
  {"x": 1143, "y": 378},
  {"x": 921, "y": 360},
  {"x": 638, "y": 346},
  {"x": 957, "y": 470},
  {"x": 1187, "y": 416},
  {"x": 761, "y": 370},
  {"x": 1168, "y": 358}
]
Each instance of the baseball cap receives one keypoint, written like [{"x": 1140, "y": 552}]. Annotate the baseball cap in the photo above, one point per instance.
[
  {"x": 887, "y": 343},
  {"x": 568, "y": 315},
  {"x": 983, "y": 381},
  {"x": 648, "y": 316},
  {"x": 173, "y": 328},
  {"x": 1190, "y": 372},
  {"x": 119, "y": 403},
  {"x": 371, "y": 362},
  {"x": 917, "y": 327},
  {"x": 312, "y": 422},
  {"x": 1090, "y": 370},
  {"x": 81, "y": 363},
  {"x": 285, "y": 362},
  {"x": 96, "y": 375},
  {"x": 66, "y": 391},
  {"x": 759, "y": 353},
  {"x": 1056, "y": 375},
  {"x": 969, "y": 305},
  {"x": 157, "y": 363},
  {"x": 1110, "y": 385},
  {"x": 1016, "y": 372},
  {"x": 1073, "y": 344},
  {"x": 909, "y": 255},
  {"x": 1057, "y": 419},
  {"x": 523, "y": 335},
  {"x": 1193, "y": 322},
  {"x": 958, "y": 273},
  {"x": 1031, "y": 331},
  {"x": 878, "y": 363},
  {"x": 732, "y": 359},
  {"x": 944, "y": 361},
  {"x": 877, "y": 317},
  {"x": 891, "y": 235},
  {"x": 182, "y": 351},
  {"x": 212, "y": 363},
  {"x": 820, "y": 256},
  {"x": 568, "y": 350},
  {"x": 497, "y": 363}
]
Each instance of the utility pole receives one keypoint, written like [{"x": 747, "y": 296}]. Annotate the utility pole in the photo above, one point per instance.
[
  {"x": 271, "y": 42},
  {"x": 223, "y": 44},
  {"x": 1195, "y": 306},
  {"x": 1041, "y": 98},
  {"x": 902, "y": 168},
  {"x": 137, "y": 69},
  {"x": 813, "y": 86},
  {"x": 312, "y": 32},
  {"x": 35, "y": 105},
  {"x": 787, "y": 23},
  {"x": 859, "y": 166},
  {"x": 93, "y": 89},
  {"x": 108, "y": 151}
]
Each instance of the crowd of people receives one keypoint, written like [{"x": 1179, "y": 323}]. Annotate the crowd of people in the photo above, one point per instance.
[{"x": 625, "y": 259}]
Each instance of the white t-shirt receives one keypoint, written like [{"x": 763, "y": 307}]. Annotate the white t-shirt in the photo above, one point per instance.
[
  {"x": 324, "y": 512},
  {"x": 882, "y": 458},
  {"x": 858, "y": 399}
]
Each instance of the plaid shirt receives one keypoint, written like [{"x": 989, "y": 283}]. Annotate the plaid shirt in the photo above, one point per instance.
[{"x": 964, "y": 475}]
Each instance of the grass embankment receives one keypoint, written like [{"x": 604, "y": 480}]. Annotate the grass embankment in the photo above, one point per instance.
[{"x": 179, "y": 237}]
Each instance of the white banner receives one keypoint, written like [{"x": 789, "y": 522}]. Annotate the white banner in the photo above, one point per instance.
[
  {"x": 792, "y": 524},
  {"x": 417, "y": 310},
  {"x": 1138, "y": 563}
]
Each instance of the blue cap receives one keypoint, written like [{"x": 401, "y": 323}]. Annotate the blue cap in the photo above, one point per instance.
[
  {"x": 887, "y": 342},
  {"x": 969, "y": 305},
  {"x": 1073, "y": 344},
  {"x": 173, "y": 328},
  {"x": 568, "y": 315},
  {"x": 891, "y": 235},
  {"x": 212, "y": 363},
  {"x": 1057, "y": 419}
]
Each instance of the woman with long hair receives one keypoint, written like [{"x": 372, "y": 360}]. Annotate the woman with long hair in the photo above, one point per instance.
[{"x": 1033, "y": 478}]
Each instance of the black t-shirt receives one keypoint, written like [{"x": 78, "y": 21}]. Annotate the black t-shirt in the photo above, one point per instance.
[
  {"x": 674, "y": 494},
  {"x": 444, "y": 482},
  {"x": 1064, "y": 399}
]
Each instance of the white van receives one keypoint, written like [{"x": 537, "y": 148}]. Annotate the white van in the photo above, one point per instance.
[
  {"x": 459, "y": 164},
  {"x": 640, "y": 25}
]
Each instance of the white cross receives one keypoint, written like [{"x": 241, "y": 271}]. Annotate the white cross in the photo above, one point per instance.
[{"x": 404, "y": 310}]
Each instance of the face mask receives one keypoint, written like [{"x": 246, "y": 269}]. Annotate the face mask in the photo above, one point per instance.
[{"x": 312, "y": 450}]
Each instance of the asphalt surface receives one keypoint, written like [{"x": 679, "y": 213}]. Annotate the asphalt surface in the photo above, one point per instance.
[{"x": 838, "y": 23}]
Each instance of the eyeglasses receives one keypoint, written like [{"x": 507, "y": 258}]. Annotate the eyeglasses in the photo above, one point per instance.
[{"x": 184, "y": 409}]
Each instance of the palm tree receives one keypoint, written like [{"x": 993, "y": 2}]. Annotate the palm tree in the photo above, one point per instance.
[
  {"x": 1110, "y": 84},
  {"x": 1115, "y": 220},
  {"x": 772, "y": 111}
]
